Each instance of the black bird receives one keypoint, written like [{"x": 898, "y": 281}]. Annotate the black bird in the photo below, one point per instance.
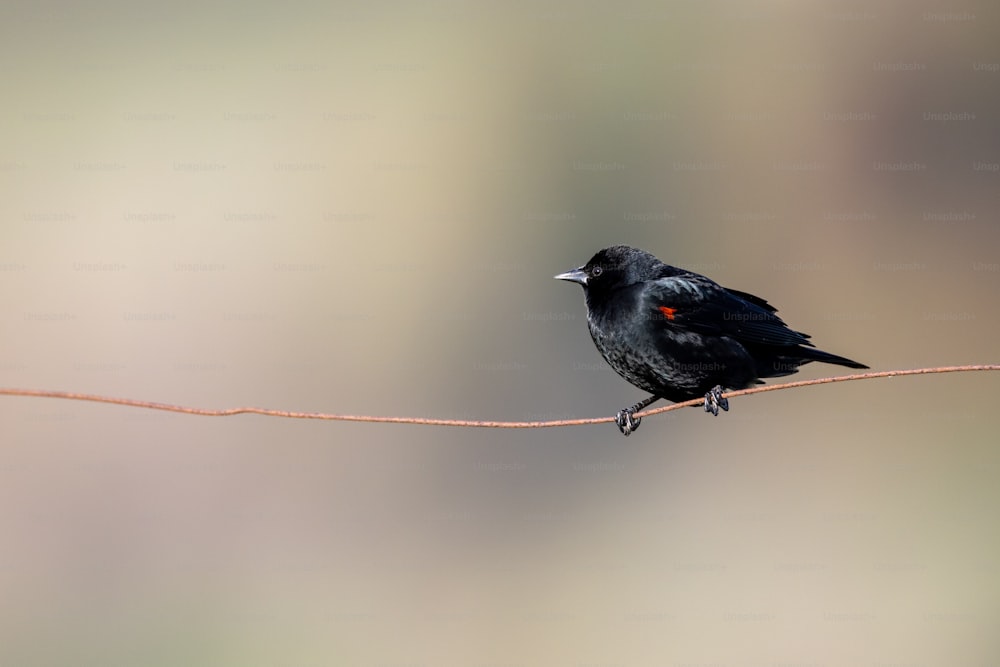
[{"x": 680, "y": 335}]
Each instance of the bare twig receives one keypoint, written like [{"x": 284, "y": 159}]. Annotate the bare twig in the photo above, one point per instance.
[{"x": 134, "y": 403}]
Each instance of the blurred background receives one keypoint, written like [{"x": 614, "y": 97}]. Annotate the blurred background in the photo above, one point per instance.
[{"x": 359, "y": 209}]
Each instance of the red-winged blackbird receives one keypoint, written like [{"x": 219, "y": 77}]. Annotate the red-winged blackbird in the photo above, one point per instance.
[{"x": 680, "y": 335}]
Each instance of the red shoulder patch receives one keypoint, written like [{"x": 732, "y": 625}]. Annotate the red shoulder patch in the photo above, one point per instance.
[{"x": 668, "y": 312}]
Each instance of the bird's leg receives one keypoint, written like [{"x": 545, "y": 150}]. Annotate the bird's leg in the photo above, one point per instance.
[
  {"x": 626, "y": 422},
  {"x": 715, "y": 400}
]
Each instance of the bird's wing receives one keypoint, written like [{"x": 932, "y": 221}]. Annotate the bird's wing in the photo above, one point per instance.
[{"x": 695, "y": 303}]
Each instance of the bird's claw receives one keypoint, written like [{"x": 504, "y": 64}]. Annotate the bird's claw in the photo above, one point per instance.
[
  {"x": 715, "y": 400},
  {"x": 627, "y": 423}
]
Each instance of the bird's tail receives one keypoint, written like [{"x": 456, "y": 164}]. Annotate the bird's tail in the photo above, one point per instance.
[{"x": 812, "y": 354}]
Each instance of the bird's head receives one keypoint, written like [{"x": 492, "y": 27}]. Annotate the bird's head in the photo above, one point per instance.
[{"x": 614, "y": 268}]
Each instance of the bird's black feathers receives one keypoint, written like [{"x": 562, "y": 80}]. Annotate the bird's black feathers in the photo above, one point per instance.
[
  {"x": 680, "y": 335},
  {"x": 716, "y": 311}
]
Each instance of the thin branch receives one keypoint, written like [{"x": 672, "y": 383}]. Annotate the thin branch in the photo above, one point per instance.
[{"x": 39, "y": 393}]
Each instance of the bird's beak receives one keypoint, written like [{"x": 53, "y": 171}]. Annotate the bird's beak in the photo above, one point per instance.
[{"x": 575, "y": 276}]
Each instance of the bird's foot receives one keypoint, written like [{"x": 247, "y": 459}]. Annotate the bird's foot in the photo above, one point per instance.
[
  {"x": 626, "y": 421},
  {"x": 715, "y": 400}
]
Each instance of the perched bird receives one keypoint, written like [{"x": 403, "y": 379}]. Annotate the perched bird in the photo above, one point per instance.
[{"x": 680, "y": 335}]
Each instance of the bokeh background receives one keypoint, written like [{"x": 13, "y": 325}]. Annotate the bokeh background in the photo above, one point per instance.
[{"x": 359, "y": 208}]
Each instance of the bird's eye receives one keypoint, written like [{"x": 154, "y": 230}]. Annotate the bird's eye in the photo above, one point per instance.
[{"x": 596, "y": 271}]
